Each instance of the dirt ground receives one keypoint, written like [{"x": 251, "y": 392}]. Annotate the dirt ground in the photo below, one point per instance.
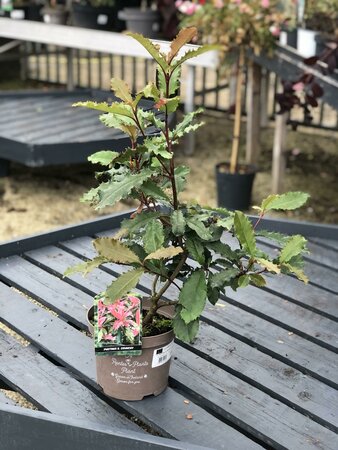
[{"x": 36, "y": 200}]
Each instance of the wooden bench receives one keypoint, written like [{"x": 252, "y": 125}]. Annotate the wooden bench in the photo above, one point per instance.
[{"x": 263, "y": 372}]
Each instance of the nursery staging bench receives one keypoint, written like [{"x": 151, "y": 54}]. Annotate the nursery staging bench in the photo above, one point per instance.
[{"x": 263, "y": 372}]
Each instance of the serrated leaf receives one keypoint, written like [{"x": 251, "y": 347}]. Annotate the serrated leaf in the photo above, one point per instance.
[
  {"x": 184, "y": 37},
  {"x": 193, "y": 296},
  {"x": 115, "y": 251},
  {"x": 111, "y": 192},
  {"x": 177, "y": 223},
  {"x": 213, "y": 295},
  {"x": 153, "y": 236},
  {"x": 195, "y": 249},
  {"x": 151, "y": 91},
  {"x": 158, "y": 146},
  {"x": 245, "y": 233},
  {"x": 125, "y": 124},
  {"x": 200, "y": 229},
  {"x": 223, "y": 278},
  {"x": 181, "y": 173},
  {"x": 165, "y": 253},
  {"x": 298, "y": 272},
  {"x": 121, "y": 90},
  {"x": 186, "y": 125},
  {"x": 223, "y": 250},
  {"x": 151, "y": 189},
  {"x": 243, "y": 281},
  {"x": 124, "y": 284},
  {"x": 288, "y": 201},
  {"x": 85, "y": 267},
  {"x": 273, "y": 236},
  {"x": 140, "y": 221},
  {"x": 151, "y": 49},
  {"x": 114, "y": 108},
  {"x": 257, "y": 280},
  {"x": 193, "y": 53},
  {"x": 270, "y": 266},
  {"x": 103, "y": 157},
  {"x": 185, "y": 332},
  {"x": 168, "y": 104},
  {"x": 293, "y": 247}
]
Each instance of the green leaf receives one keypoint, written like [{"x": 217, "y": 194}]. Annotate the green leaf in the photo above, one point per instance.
[
  {"x": 245, "y": 233},
  {"x": 193, "y": 296},
  {"x": 140, "y": 221},
  {"x": 223, "y": 250},
  {"x": 85, "y": 267},
  {"x": 124, "y": 284},
  {"x": 151, "y": 189},
  {"x": 151, "y": 91},
  {"x": 125, "y": 124},
  {"x": 273, "y": 236},
  {"x": 196, "y": 249},
  {"x": 115, "y": 251},
  {"x": 151, "y": 49},
  {"x": 121, "y": 90},
  {"x": 257, "y": 280},
  {"x": 270, "y": 266},
  {"x": 153, "y": 236},
  {"x": 288, "y": 201},
  {"x": 185, "y": 332},
  {"x": 298, "y": 272},
  {"x": 174, "y": 82},
  {"x": 104, "y": 157},
  {"x": 200, "y": 229},
  {"x": 169, "y": 104},
  {"x": 114, "y": 108},
  {"x": 177, "y": 223},
  {"x": 213, "y": 295},
  {"x": 243, "y": 281},
  {"x": 181, "y": 173},
  {"x": 193, "y": 53},
  {"x": 111, "y": 192},
  {"x": 186, "y": 125},
  {"x": 293, "y": 247},
  {"x": 165, "y": 253},
  {"x": 223, "y": 278}
]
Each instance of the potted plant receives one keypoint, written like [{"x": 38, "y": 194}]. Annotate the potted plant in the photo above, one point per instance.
[
  {"x": 179, "y": 245},
  {"x": 146, "y": 19},
  {"x": 94, "y": 14},
  {"x": 26, "y": 10},
  {"x": 318, "y": 20},
  {"x": 238, "y": 27},
  {"x": 55, "y": 13}
]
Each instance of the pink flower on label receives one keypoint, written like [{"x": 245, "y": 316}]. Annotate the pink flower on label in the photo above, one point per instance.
[
  {"x": 100, "y": 321},
  {"x": 298, "y": 86},
  {"x": 186, "y": 7},
  {"x": 109, "y": 337},
  {"x": 275, "y": 30},
  {"x": 265, "y": 3}
]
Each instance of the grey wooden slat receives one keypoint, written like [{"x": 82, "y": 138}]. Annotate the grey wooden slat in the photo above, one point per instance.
[
  {"x": 40, "y": 430},
  {"x": 279, "y": 380},
  {"x": 325, "y": 367},
  {"x": 327, "y": 243},
  {"x": 275, "y": 423},
  {"x": 47, "y": 289},
  {"x": 51, "y": 388},
  {"x": 56, "y": 339},
  {"x": 323, "y": 256}
]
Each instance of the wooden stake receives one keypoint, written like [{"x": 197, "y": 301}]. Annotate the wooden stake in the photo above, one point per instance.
[
  {"x": 278, "y": 156},
  {"x": 238, "y": 112},
  {"x": 253, "y": 126}
]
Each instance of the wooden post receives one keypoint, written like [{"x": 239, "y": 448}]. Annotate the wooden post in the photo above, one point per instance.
[
  {"x": 265, "y": 84},
  {"x": 253, "y": 113},
  {"x": 278, "y": 155},
  {"x": 189, "y": 106},
  {"x": 70, "y": 69}
]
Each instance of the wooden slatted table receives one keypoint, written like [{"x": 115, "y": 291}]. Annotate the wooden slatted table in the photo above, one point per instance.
[
  {"x": 263, "y": 372},
  {"x": 41, "y": 128}
]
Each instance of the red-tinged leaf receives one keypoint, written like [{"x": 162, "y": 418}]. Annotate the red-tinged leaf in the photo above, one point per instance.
[
  {"x": 317, "y": 90},
  {"x": 311, "y": 61}
]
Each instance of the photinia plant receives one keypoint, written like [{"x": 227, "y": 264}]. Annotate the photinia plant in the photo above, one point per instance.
[{"x": 180, "y": 245}]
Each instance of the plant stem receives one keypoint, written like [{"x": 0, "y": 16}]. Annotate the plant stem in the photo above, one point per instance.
[{"x": 238, "y": 112}]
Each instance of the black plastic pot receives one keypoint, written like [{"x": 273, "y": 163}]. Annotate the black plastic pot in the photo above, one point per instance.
[
  {"x": 102, "y": 18},
  {"x": 146, "y": 22},
  {"x": 57, "y": 16},
  {"x": 28, "y": 12},
  {"x": 234, "y": 189}
]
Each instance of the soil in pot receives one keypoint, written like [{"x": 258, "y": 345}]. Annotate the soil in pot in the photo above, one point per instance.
[
  {"x": 234, "y": 189},
  {"x": 135, "y": 377}
]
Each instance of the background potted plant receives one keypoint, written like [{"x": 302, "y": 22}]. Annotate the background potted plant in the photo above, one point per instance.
[
  {"x": 238, "y": 27},
  {"x": 55, "y": 13},
  {"x": 179, "y": 245},
  {"x": 27, "y": 10},
  {"x": 145, "y": 19},
  {"x": 318, "y": 20}
]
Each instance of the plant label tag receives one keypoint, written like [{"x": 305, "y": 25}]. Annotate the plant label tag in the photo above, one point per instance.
[
  {"x": 162, "y": 355},
  {"x": 117, "y": 326}
]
